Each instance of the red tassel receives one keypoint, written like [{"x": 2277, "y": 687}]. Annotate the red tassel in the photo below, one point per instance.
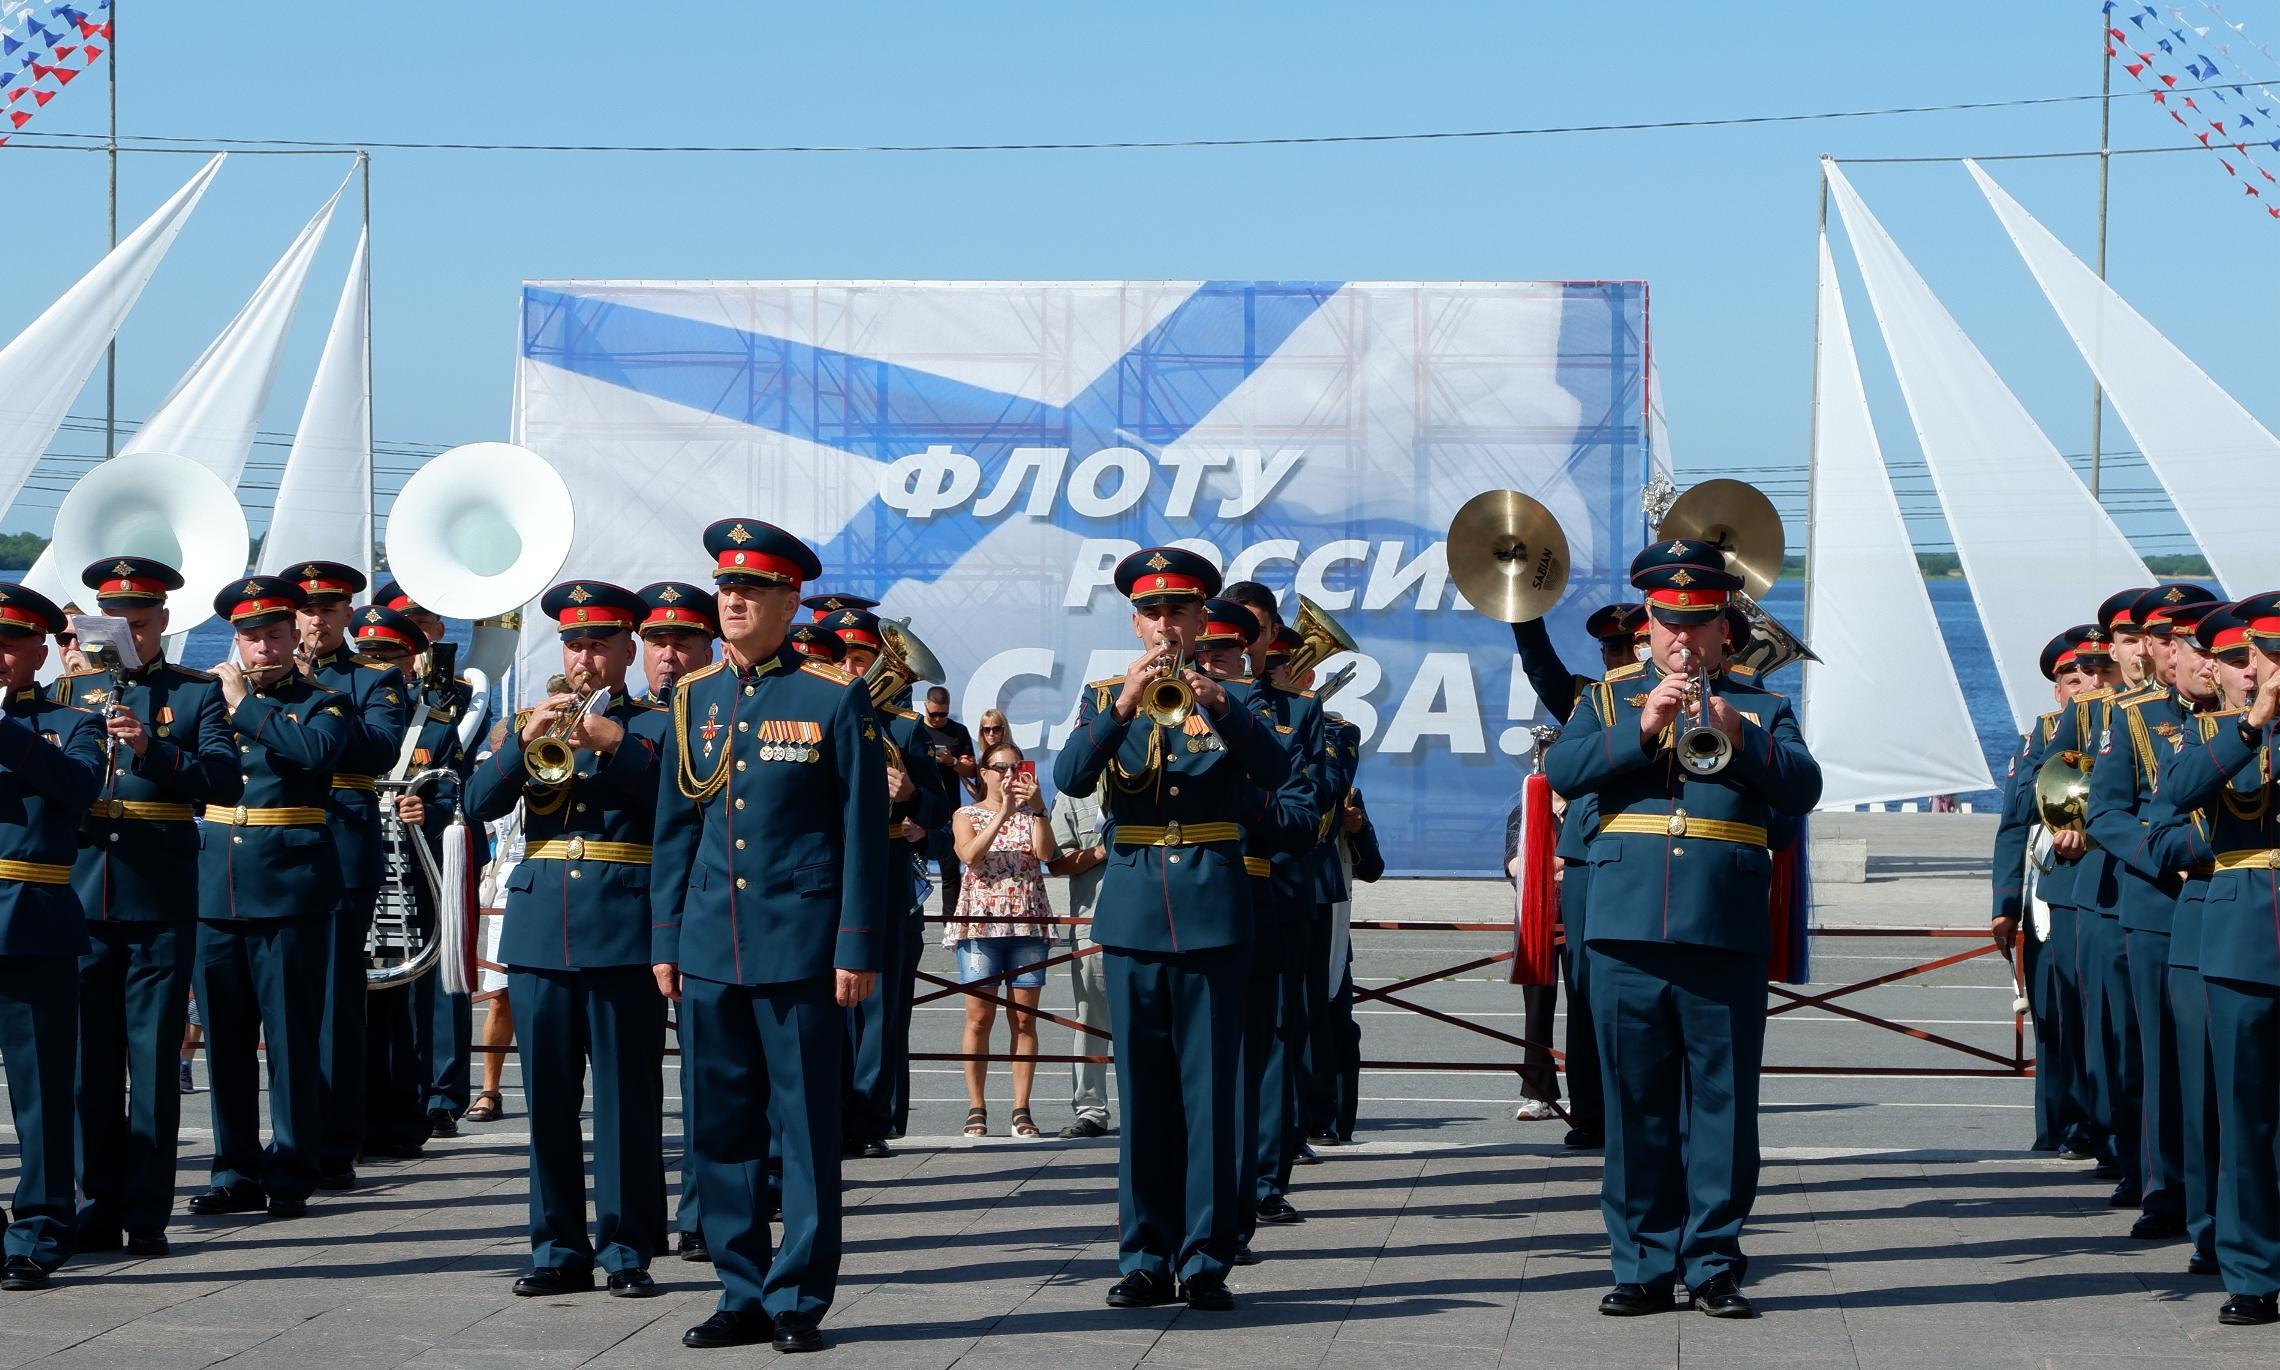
[
  {"x": 1534, "y": 960},
  {"x": 1779, "y": 915}
]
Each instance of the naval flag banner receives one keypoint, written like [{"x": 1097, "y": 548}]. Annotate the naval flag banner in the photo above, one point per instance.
[{"x": 978, "y": 456}]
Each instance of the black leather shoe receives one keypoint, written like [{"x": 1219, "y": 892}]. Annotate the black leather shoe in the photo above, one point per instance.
[
  {"x": 730, "y": 1327},
  {"x": 1583, "y": 1139},
  {"x": 1244, "y": 1255},
  {"x": 797, "y": 1332},
  {"x": 1207, "y": 1296},
  {"x": 95, "y": 1243},
  {"x": 633, "y": 1284},
  {"x": 2125, "y": 1195},
  {"x": 337, "y": 1179},
  {"x": 236, "y": 1198},
  {"x": 281, "y": 1207},
  {"x": 1305, "y": 1156},
  {"x": 442, "y": 1123},
  {"x": 2241, "y": 1310},
  {"x": 22, "y": 1273},
  {"x": 873, "y": 1150},
  {"x": 2155, "y": 1227},
  {"x": 1324, "y": 1139},
  {"x": 693, "y": 1249},
  {"x": 148, "y": 1244},
  {"x": 1083, "y": 1128},
  {"x": 553, "y": 1279},
  {"x": 1279, "y": 1212},
  {"x": 2201, "y": 1263},
  {"x": 2105, "y": 1170},
  {"x": 1142, "y": 1290},
  {"x": 1721, "y": 1297},
  {"x": 1634, "y": 1301}
]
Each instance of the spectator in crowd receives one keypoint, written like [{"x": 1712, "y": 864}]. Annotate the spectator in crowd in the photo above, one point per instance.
[
  {"x": 993, "y": 729},
  {"x": 952, "y": 748},
  {"x": 1081, "y": 852},
  {"x": 1000, "y": 924}
]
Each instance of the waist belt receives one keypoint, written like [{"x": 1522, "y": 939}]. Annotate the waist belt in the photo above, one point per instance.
[
  {"x": 136, "y": 808},
  {"x": 243, "y": 817},
  {"x": 1175, "y": 834},
  {"x": 2247, "y": 860},
  {"x": 584, "y": 849},
  {"x": 35, "y": 872},
  {"x": 1682, "y": 824},
  {"x": 366, "y": 783},
  {"x": 1259, "y": 866}
]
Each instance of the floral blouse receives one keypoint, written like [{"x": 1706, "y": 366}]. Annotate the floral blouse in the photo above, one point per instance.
[{"x": 1003, "y": 894}]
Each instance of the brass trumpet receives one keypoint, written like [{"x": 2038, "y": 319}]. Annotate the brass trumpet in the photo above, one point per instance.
[
  {"x": 1168, "y": 700},
  {"x": 1702, "y": 749},
  {"x": 550, "y": 760}
]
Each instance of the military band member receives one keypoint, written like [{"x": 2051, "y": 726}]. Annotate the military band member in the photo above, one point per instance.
[
  {"x": 771, "y": 832},
  {"x": 576, "y": 947},
  {"x": 168, "y": 753},
  {"x": 822, "y": 607},
  {"x": 877, "y": 1063},
  {"x": 1615, "y": 629},
  {"x": 51, "y": 756},
  {"x": 1679, "y": 936},
  {"x": 2225, "y": 771},
  {"x": 677, "y": 631},
  {"x": 1175, "y": 922},
  {"x": 2144, "y": 895},
  {"x": 268, "y": 883},
  {"x": 378, "y": 714}
]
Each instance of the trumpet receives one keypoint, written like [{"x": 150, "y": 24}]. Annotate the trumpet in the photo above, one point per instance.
[
  {"x": 549, "y": 760},
  {"x": 1168, "y": 700},
  {"x": 1702, "y": 749}
]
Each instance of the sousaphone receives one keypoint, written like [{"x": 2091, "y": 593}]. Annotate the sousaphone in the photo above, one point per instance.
[{"x": 155, "y": 504}]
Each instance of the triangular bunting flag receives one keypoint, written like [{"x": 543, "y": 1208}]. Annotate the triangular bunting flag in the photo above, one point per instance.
[
  {"x": 20, "y": 118},
  {"x": 2133, "y": 68},
  {"x": 43, "y": 96},
  {"x": 67, "y": 49},
  {"x": 63, "y": 77}
]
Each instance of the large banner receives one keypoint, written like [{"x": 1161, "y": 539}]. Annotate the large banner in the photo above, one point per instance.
[{"x": 980, "y": 455}]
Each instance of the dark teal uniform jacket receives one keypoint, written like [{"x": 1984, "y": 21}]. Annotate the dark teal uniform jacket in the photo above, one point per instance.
[
  {"x": 289, "y": 739},
  {"x": 132, "y": 868},
  {"x": 2120, "y": 821},
  {"x": 378, "y": 712},
  {"x": 44, "y": 792}
]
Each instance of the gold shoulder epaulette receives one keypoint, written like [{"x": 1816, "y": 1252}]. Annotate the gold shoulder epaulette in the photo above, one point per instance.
[
  {"x": 188, "y": 672},
  {"x": 1626, "y": 672},
  {"x": 647, "y": 702},
  {"x": 710, "y": 668},
  {"x": 1745, "y": 672},
  {"x": 1114, "y": 680},
  {"x": 74, "y": 675},
  {"x": 824, "y": 670},
  {"x": 369, "y": 665},
  {"x": 2092, "y": 696}
]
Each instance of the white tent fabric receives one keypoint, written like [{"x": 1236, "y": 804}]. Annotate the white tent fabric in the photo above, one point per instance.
[
  {"x": 1875, "y": 744},
  {"x": 1991, "y": 465},
  {"x": 324, "y": 500},
  {"x": 49, "y": 362},
  {"x": 2197, "y": 438},
  {"x": 212, "y": 413}
]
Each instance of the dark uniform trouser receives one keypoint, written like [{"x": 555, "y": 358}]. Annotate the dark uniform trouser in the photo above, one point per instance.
[
  {"x": 1681, "y": 1040},
  {"x": 2161, "y": 1149},
  {"x": 134, "y": 995},
  {"x": 2196, "y": 1104},
  {"x": 443, "y": 1030},
  {"x": 2067, "y": 1034},
  {"x": 261, "y": 989},
  {"x": 615, "y": 1018},
  {"x": 868, "y": 1111},
  {"x": 1179, "y": 1026},
  {"x": 39, "y": 1043},
  {"x": 2117, "y": 1067},
  {"x": 340, "y": 1064},
  {"x": 771, "y": 1051},
  {"x": 395, "y": 1070},
  {"x": 2244, "y": 1040},
  {"x": 1586, "y": 1099},
  {"x": 905, "y": 987},
  {"x": 688, "y": 1212}
]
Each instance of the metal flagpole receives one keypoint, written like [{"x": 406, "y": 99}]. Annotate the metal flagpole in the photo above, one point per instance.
[
  {"x": 2105, "y": 158},
  {"x": 371, "y": 521},
  {"x": 111, "y": 353},
  {"x": 1813, "y": 425}
]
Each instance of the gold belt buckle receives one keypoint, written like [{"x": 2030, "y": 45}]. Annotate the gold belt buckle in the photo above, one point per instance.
[
  {"x": 1676, "y": 826},
  {"x": 241, "y": 815},
  {"x": 577, "y": 849},
  {"x": 1171, "y": 834},
  {"x": 110, "y": 808}
]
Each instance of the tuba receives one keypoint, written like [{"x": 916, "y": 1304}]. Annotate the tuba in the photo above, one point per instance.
[
  {"x": 155, "y": 504},
  {"x": 902, "y": 661},
  {"x": 1319, "y": 638}
]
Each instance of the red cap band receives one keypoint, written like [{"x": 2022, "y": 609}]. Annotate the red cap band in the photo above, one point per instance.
[
  {"x": 757, "y": 564},
  {"x": 1165, "y": 584},
  {"x": 857, "y": 637},
  {"x": 399, "y": 602},
  {"x": 2262, "y": 627},
  {"x": 673, "y": 616},
  {"x": 22, "y": 617},
  {"x": 1688, "y": 599},
  {"x": 1218, "y": 631},
  {"x": 599, "y": 619},
  {"x": 327, "y": 587},
  {"x": 382, "y": 632},
  {"x": 253, "y": 608},
  {"x": 126, "y": 587}
]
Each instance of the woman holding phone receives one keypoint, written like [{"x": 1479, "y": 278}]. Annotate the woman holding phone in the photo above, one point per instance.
[{"x": 999, "y": 931}]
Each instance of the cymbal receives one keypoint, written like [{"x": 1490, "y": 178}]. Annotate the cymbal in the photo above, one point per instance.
[
  {"x": 1508, "y": 556},
  {"x": 1740, "y": 520}
]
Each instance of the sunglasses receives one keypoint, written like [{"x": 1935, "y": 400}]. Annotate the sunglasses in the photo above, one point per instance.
[
  {"x": 993, "y": 727},
  {"x": 1003, "y": 767}
]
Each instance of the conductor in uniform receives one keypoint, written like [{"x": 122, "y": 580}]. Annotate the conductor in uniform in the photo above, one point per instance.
[
  {"x": 1175, "y": 922},
  {"x": 168, "y": 753},
  {"x": 576, "y": 948},
  {"x": 771, "y": 837},
  {"x": 1678, "y": 931},
  {"x": 378, "y": 715},
  {"x": 268, "y": 882},
  {"x": 49, "y": 758}
]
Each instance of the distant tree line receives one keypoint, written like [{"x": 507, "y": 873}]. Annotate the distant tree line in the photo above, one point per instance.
[
  {"x": 19, "y": 550},
  {"x": 1931, "y": 564}
]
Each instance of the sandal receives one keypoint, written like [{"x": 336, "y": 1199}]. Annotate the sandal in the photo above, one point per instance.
[
  {"x": 977, "y": 1122},
  {"x": 1023, "y": 1124},
  {"x": 486, "y": 1108}
]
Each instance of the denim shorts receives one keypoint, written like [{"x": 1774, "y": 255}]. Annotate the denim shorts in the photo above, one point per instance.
[{"x": 980, "y": 958}]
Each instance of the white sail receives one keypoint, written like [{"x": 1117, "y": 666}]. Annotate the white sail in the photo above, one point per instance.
[
  {"x": 48, "y": 363},
  {"x": 2017, "y": 512},
  {"x": 324, "y": 500},
  {"x": 1875, "y": 743},
  {"x": 2198, "y": 439}
]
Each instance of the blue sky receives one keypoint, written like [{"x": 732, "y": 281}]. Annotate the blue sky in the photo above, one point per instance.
[{"x": 1718, "y": 221}]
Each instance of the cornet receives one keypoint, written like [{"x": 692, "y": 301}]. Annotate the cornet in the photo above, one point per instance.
[
  {"x": 1702, "y": 749},
  {"x": 550, "y": 760}
]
